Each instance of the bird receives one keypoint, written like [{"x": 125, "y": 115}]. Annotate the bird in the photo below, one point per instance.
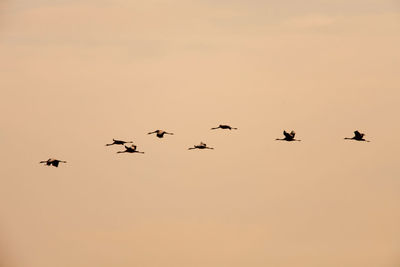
[
  {"x": 288, "y": 136},
  {"x": 53, "y": 162},
  {"x": 118, "y": 142},
  {"x": 200, "y": 146},
  {"x": 131, "y": 149},
  {"x": 224, "y": 126},
  {"x": 160, "y": 133},
  {"x": 357, "y": 136}
]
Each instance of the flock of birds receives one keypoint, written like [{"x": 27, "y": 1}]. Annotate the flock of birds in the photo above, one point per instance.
[{"x": 160, "y": 134}]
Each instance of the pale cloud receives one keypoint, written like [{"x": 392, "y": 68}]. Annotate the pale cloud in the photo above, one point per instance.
[
  {"x": 168, "y": 23},
  {"x": 309, "y": 21}
]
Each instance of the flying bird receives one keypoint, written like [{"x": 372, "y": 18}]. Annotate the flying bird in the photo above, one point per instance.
[
  {"x": 160, "y": 133},
  {"x": 130, "y": 149},
  {"x": 288, "y": 136},
  {"x": 224, "y": 126},
  {"x": 200, "y": 146},
  {"x": 53, "y": 162},
  {"x": 357, "y": 136},
  {"x": 118, "y": 142}
]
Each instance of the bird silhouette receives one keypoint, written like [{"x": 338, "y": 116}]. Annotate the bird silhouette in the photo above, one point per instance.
[
  {"x": 200, "y": 146},
  {"x": 160, "y": 133},
  {"x": 130, "y": 149},
  {"x": 357, "y": 136},
  {"x": 224, "y": 126},
  {"x": 118, "y": 142},
  {"x": 288, "y": 136},
  {"x": 53, "y": 162}
]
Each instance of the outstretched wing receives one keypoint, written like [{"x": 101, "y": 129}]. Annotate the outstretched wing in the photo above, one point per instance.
[
  {"x": 286, "y": 134},
  {"x": 55, "y": 163},
  {"x": 358, "y": 135}
]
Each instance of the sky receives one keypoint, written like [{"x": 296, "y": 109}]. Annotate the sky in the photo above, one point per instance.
[{"x": 75, "y": 74}]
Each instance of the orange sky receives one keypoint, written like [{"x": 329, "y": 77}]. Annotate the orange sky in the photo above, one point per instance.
[{"x": 76, "y": 74}]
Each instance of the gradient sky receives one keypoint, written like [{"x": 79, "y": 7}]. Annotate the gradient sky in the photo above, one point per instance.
[{"x": 75, "y": 74}]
